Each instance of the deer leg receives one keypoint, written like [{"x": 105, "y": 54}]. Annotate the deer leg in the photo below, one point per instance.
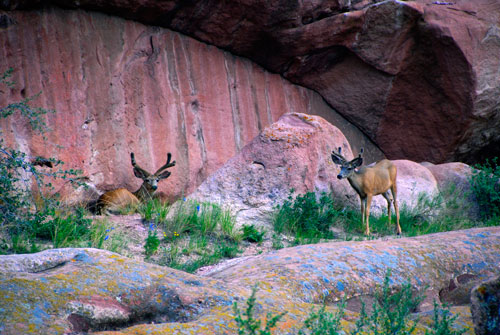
[
  {"x": 396, "y": 208},
  {"x": 387, "y": 197},
  {"x": 363, "y": 210},
  {"x": 368, "y": 203}
]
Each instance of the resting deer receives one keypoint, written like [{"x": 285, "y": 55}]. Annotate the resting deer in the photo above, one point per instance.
[
  {"x": 119, "y": 198},
  {"x": 369, "y": 181}
]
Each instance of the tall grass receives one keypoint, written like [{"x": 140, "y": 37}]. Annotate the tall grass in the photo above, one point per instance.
[{"x": 197, "y": 234}]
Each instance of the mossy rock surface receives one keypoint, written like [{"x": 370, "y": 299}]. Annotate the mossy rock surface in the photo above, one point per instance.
[{"x": 78, "y": 290}]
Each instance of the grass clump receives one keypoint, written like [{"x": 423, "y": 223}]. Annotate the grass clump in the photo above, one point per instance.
[
  {"x": 306, "y": 216},
  {"x": 196, "y": 235}
]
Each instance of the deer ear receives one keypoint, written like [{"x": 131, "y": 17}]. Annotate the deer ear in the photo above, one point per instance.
[
  {"x": 164, "y": 175},
  {"x": 356, "y": 162},
  {"x": 336, "y": 159}
]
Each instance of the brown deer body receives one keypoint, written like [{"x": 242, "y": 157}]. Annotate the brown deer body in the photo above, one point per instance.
[
  {"x": 369, "y": 181},
  {"x": 117, "y": 199}
]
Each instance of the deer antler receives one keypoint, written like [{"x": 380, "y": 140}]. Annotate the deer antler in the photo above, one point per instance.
[
  {"x": 167, "y": 165},
  {"x": 138, "y": 171}
]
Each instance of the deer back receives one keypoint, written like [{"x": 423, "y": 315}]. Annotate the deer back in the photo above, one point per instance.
[
  {"x": 378, "y": 178},
  {"x": 115, "y": 200}
]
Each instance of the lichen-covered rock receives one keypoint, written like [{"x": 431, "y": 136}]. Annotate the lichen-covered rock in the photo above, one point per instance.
[
  {"x": 66, "y": 291},
  {"x": 485, "y": 307}
]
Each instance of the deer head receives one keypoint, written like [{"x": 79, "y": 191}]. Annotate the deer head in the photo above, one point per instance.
[
  {"x": 347, "y": 168},
  {"x": 150, "y": 181}
]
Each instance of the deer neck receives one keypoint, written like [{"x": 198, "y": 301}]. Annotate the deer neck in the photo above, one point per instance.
[
  {"x": 144, "y": 192},
  {"x": 356, "y": 181}
]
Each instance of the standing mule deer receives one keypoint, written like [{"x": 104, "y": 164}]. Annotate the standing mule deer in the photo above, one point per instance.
[
  {"x": 369, "y": 181},
  {"x": 119, "y": 198}
]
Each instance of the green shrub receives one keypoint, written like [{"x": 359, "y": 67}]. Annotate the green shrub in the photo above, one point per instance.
[
  {"x": 152, "y": 241},
  {"x": 323, "y": 322},
  {"x": 485, "y": 186},
  {"x": 391, "y": 311},
  {"x": 251, "y": 234},
  {"x": 443, "y": 322},
  {"x": 306, "y": 216}
]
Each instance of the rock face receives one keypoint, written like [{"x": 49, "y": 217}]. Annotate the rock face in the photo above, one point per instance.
[
  {"x": 119, "y": 87},
  {"x": 420, "y": 78},
  {"x": 294, "y": 153},
  {"x": 66, "y": 291}
]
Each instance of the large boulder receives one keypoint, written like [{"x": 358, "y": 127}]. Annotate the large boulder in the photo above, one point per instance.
[
  {"x": 67, "y": 291},
  {"x": 292, "y": 153},
  {"x": 413, "y": 75}
]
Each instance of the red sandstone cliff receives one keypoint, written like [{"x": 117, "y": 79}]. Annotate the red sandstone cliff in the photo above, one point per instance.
[{"x": 119, "y": 87}]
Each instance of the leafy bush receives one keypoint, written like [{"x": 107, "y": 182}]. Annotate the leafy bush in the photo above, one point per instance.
[
  {"x": 485, "y": 185},
  {"x": 306, "y": 216},
  {"x": 251, "y": 234},
  {"x": 391, "y": 312}
]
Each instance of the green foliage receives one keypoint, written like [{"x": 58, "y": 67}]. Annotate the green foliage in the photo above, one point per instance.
[
  {"x": 64, "y": 229},
  {"x": 391, "y": 311},
  {"x": 323, "y": 322},
  {"x": 152, "y": 241},
  {"x": 485, "y": 185},
  {"x": 251, "y": 234},
  {"x": 443, "y": 322},
  {"x": 248, "y": 324},
  {"x": 154, "y": 210},
  {"x": 198, "y": 234},
  {"x": 391, "y": 314},
  {"x": 306, "y": 216},
  {"x": 25, "y": 213}
]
